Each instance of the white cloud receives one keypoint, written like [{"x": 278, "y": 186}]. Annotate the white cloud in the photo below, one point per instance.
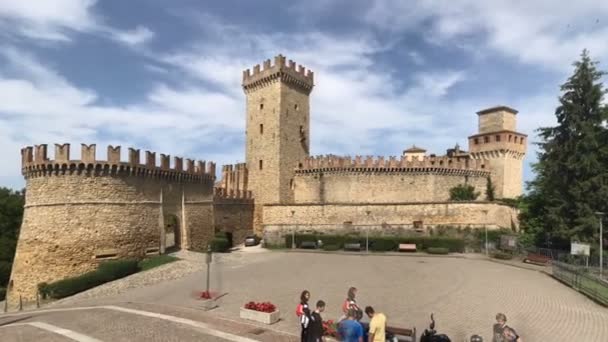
[
  {"x": 48, "y": 20},
  {"x": 137, "y": 36},
  {"x": 57, "y": 20},
  {"x": 536, "y": 32}
]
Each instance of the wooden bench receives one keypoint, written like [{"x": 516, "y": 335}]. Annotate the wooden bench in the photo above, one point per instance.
[
  {"x": 308, "y": 244},
  {"x": 537, "y": 259},
  {"x": 353, "y": 246},
  {"x": 407, "y": 247},
  {"x": 403, "y": 334}
]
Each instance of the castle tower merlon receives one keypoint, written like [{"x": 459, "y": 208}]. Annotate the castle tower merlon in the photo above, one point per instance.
[
  {"x": 27, "y": 156},
  {"x": 134, "y": 156},
  {"x": 114, "y": 154},
  {"x": 88, "y": 153},
  {"x": 40, "y": 154},
  {"x": 62, "y": 152}
]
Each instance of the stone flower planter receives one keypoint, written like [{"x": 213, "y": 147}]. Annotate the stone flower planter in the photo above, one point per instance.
[{"x": 259, "y": 316}]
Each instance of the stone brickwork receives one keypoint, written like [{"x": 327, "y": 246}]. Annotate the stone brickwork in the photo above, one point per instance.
[
  {"x": 81, "y": 212},
  {"x": 278, "y": 129},
  {"x": 333, "y": 179},
  {"x": 382, "y": 219}
]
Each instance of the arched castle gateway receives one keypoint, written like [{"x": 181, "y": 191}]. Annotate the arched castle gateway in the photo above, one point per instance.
[{"x": 79, "y": 212}]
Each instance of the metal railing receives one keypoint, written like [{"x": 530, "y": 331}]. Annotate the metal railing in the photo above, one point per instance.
[{"x": 583, "y": 280}]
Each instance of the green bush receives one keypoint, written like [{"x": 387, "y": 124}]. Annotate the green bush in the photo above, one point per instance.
[
  {"x": 383, "y": 244},
  {"x": 336, "y": 240},
  {"x": 502, "y": 256},
  {"x": 220, "y": 245},
  {"x": 2, "y": 293},
  {"x": 156, "y": 261},
  {"x": 437, "y": 250},
  {"x": 106, "y": 271},
  {"x": 463, "y": 192},
  {"x": 331, "y": 247},
  {"x": 5, "y": 272}
]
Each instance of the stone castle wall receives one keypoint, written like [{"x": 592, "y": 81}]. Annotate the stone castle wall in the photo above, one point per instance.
[
  {"x": 382, "y": 218},
  {"x": 378, "y": 180},
  {"x": 81, "y": 212}
]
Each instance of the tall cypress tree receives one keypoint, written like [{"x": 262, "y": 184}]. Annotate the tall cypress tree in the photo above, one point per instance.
[{"x": 572, "y": 169}]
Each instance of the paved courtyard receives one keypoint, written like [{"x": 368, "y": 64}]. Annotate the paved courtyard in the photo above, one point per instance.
[{"x": 465, "y": 294}]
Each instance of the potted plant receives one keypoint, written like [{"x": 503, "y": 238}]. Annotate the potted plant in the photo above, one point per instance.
[
  {"x": 330, "y": 329},
  {"x": 208, "y": 299},
  {"x": 264, "y": 312}
]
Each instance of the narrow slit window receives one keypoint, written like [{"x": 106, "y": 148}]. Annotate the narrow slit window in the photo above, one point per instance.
[
  {"x": 476, "y": 141},
  {"x": 261, "y": 106},
  {"x": 261, "y": 128},
  {"x": 486, "y": 139},
  {"x": 498, "y": 138},
  {"x": 261, "y": 164}
]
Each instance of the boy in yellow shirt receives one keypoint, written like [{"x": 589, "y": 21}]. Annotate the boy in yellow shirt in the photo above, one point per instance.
[{"x": 377, "y": 325}]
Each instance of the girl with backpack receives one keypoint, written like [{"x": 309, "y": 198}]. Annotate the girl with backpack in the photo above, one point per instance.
[{"x": 303, "y": 313}]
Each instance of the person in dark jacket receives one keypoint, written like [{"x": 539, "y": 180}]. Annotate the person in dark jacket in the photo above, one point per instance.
[{"x": 315, "y": 328}]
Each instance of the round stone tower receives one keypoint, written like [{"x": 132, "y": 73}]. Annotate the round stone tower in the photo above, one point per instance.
[{"x": 81, "y": 212}]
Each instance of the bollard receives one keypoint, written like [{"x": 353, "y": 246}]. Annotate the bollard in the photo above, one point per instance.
[
  {"x": 37, "y": 300},
  {"x": 20, "y": 303}
]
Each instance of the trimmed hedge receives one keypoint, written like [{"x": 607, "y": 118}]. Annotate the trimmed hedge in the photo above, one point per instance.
[
  {"x": 502, "y": 256},
  {"x": 2, "y": 293},
  {"x": 106, "y": 271},
  {"x": 383, "y": 244},
  {"x": 220, "y": 245},
  {"x": 156, "y": 261},
  {"x": 331, "y": 247},
  {"x": 438, "y": 250}
]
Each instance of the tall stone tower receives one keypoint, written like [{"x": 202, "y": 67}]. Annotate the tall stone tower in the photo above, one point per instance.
[
  {"x": 278, "y": 129},
  {"x": 502, "y": 147}
]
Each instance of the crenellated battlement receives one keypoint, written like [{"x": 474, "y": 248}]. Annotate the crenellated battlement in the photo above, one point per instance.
[
  {"x": 441, "y": 164},
  {"x": 233, "y": 183},
  {"x": 35, "y": 162},
  {"x": 282, "y": 71}
]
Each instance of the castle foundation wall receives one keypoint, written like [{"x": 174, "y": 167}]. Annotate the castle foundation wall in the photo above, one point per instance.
[{"x": 382, "y": 219}]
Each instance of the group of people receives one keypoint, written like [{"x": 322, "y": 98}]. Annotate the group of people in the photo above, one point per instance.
[{"x": 349, "y": 327}]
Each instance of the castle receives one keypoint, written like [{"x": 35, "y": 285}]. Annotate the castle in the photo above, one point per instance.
[{"x": 81, "y": 212}]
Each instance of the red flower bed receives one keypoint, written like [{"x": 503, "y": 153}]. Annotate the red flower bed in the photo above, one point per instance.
[
  {"x": 330, "y": 328},
  {"x": 263, "y": 307},
  {"x": 205, "y": 295}
]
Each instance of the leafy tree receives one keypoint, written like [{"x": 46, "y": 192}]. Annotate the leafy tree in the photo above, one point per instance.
[
  {"x": 11, "y": 213},
  {"x": 572, "y": 170},
  {"x": 490, "y": 189},
  {"x": 463, "y": 192}
]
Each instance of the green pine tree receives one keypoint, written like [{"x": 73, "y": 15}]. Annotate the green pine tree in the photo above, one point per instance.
[{"x": 572, "y": 169}]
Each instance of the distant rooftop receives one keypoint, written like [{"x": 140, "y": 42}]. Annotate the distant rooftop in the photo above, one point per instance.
[
  {"x": 414, "y": 149},
  {"x": 497, "y": 109}
]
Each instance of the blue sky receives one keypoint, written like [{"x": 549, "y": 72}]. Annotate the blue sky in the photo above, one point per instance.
[{"x": 388, "y": 74}]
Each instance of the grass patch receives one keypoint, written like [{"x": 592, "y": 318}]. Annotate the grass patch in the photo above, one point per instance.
[{"x": 156, "y": 261}]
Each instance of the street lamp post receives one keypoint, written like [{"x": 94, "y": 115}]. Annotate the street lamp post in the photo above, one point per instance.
[
  {"x": 601, "y": 216},
  {"x": 208, "y": 259}
]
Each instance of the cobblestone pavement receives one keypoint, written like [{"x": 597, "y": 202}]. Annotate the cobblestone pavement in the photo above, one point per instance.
[
  {"x": 464, "y": 293},
  {"x": 129, "y": 322}
]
